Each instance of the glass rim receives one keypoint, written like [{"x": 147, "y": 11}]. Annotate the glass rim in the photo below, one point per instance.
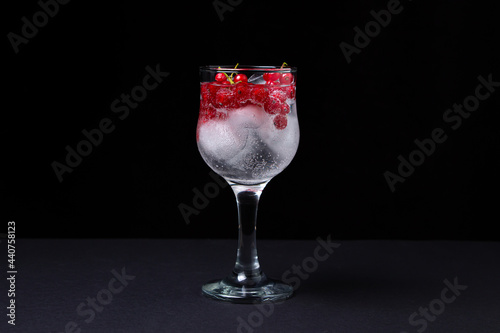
[{"x": 247, "y": 68}]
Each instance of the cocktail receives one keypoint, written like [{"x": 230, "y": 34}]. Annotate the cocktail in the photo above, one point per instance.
[{"x": 248, "y": 133}]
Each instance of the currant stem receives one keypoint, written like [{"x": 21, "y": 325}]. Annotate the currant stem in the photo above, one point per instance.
[
  {"x": 228, "y": 77},
  {"x": 234, "y": 68}
]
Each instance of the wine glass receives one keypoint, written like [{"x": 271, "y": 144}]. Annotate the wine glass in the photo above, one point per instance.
[{"x": 247, "y": 133}]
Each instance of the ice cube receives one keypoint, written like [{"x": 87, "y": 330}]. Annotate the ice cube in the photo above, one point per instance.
[
  {"x": 220, "y": 141},
  {"x": 256, "y": 79},
  {"x": 250, "y": 116},
  {"x": 282, "y": 142}
]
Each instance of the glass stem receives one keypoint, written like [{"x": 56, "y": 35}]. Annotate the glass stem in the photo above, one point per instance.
[{"x": 247, "y": 268}]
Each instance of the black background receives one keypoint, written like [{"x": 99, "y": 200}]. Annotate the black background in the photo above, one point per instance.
[{"x": 356, "y": 119}]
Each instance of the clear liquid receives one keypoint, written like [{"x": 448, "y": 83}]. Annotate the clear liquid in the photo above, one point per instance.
[{"x": 247, "y": 148}]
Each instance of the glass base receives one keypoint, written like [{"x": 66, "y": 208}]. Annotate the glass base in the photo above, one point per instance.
[{"x": 230, "y": 290}]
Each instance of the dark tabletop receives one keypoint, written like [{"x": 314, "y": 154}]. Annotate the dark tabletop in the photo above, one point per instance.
[{"x": 145, "y": 285}]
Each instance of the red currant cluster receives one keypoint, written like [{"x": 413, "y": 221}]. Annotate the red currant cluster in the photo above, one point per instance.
[{"x": 226, "y": 94}]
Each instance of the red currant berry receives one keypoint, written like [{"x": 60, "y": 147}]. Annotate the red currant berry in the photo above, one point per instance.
[
  {"x": 220, "y": 77},
  {"x": 205, "y": 92},
  {"x": 280, "y": 121},
  {"x": 286, "y": 78},
  {"x": 213, "y": 88},
  {"x": 285, "y": 109},
  {"x": 259, "y": 94},
  {"x": 272, "y": 83},
  {"x": 243, "y": 92},
  {"x": 240, "y": 78},
  {"x": 278, "y": 93},
  {"x": 272, "y": 76},
  {"x": 290, "y": 91},
  {"x": 225, "y": 98},
  {"x": 273, "y": 105}
]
